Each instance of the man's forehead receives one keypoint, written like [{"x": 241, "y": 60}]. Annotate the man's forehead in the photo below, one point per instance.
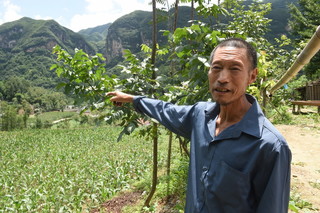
[
  {"x": 229, "y": 53},
  {"x": 230, "y": 48}
]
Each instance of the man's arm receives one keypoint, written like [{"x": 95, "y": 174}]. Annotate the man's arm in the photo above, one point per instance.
[
  {"x": 175, "y": 118},
  {"x": 276, "y": 195}
]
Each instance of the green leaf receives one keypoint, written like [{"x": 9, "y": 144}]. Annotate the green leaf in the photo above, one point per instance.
[
  {"x": 61, "y": 85},
  {"x": 53, "y": 66}
]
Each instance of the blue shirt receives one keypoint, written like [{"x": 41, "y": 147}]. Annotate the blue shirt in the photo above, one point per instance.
[{"x": 246, "y": 168}]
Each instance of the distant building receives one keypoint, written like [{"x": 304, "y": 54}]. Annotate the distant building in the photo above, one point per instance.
[{"x": 310, "y": 92}]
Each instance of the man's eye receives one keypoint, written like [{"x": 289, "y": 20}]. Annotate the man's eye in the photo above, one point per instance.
[
  {"x": 235, "y": 68},
  {"x": 216, "y": 68}
]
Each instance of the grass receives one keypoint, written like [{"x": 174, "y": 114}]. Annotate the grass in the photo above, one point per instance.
[
  {"x": 67, "y": 170},
  {"x": 309, "y": 117},
  {"x": 297, "y": 204},
  {"x": 53, "y": 116},
  {"x": 77, "y": 170},
  {"x": 315, "y": 185}
]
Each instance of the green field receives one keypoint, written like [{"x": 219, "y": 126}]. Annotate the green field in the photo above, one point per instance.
[{"x": 68, "y": 170}]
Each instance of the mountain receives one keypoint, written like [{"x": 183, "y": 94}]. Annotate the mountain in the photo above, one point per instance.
[
  {"x": 96, "y": 36},
  {"x": 26, "y": 49},
  {"x": 128, "y": 32},
  {"x": 279, "y": 15},
  {"x": 134, "y": 29}
]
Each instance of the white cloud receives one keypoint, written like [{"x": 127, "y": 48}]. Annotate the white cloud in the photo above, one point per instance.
[
  {"x": 100, "y": 12},
  {"x": 10, "y": 11},
  {"x": 43, "y": 17}
]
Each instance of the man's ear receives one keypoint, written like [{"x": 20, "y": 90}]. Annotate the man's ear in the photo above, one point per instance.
[{"x": 253, "y": 76}]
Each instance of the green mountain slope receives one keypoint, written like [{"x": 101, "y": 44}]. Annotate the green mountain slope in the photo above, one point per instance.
[
  {"x": 26, "y": 46},
  {"x": 96, "y": 36},
  {"x": 134, "y": 29}
]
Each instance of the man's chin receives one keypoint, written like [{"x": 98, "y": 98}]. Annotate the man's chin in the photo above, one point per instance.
[{"x": 221, "y": 101}]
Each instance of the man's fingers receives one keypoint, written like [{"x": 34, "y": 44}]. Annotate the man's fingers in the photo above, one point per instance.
[
  {"x": 114, "y": 99},
  {"x": 111, "y": 93},
  {"x": 120, "y": 97}
]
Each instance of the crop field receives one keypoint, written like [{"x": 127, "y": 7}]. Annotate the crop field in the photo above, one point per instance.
[{"x": 68, "y": 170}]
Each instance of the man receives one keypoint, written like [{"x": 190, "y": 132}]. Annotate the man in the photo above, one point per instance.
[{"x": 239, "y": 162}]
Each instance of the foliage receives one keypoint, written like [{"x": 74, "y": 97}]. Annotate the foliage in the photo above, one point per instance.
[
  {"x": 19, "y": 92},
  {"x": 296, "y": 203},
  {"x": 85, "y": 76},
  {"x": 193, "y": 45},
  {"x": 14, "y": 86},
  {"x": 251, "y": 22},
  {"x": 9, "y": 117}
]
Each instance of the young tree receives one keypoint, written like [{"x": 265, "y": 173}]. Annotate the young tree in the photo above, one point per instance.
[{"x": 9, "y": 117}]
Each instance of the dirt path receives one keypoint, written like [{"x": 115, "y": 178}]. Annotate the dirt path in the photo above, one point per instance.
[{"x": 304, "y": 143}]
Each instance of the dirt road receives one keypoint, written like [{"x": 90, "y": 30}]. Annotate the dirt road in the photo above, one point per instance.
[{"x": 304, "y": 143}]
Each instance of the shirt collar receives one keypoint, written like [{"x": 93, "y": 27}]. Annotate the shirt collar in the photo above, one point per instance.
[
  {"x": 251, "y": 123},
  {"x": 254, "y": 119}
]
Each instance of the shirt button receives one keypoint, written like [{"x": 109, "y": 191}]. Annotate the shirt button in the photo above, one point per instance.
[{"x": 204, "y": 169}]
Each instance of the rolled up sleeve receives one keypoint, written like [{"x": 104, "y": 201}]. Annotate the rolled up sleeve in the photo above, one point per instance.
[{"x": 176, "y": 118}]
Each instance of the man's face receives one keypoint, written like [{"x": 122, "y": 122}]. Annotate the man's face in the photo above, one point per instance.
[{"x": 230, "y": 74}]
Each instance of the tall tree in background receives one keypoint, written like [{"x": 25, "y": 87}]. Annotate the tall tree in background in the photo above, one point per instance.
[
  {"x": 305, "y": 18},
  {"x": 154, "y": 125}
]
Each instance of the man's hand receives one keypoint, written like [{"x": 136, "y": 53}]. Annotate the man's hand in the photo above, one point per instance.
[{"x": 120, "y": 97}]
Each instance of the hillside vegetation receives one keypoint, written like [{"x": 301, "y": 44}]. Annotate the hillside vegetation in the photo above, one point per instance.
[{"x": 26, "y": 49}]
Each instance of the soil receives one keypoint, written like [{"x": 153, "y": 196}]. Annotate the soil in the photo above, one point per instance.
[
  {"x": 304, "y": 143},
  {"x": 117, "y": 203}
]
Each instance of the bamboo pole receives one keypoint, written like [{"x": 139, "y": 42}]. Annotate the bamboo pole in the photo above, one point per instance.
[{"x": 303, "y": 58}]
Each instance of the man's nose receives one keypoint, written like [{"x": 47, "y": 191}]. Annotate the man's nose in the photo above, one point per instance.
[{"x": 224, "y": 76}]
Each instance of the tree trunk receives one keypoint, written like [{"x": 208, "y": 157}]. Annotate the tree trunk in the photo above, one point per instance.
[
  {"x": 175, "y": 15},
  {"x": 169, "y": 163},
  {"x": 170, "y": 133},
  {"x": 192, "y": 10},
  {"x": 155, "y": 126}
]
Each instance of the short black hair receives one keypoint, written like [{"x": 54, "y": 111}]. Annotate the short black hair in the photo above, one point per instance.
[{"x": 238, "y": 43}]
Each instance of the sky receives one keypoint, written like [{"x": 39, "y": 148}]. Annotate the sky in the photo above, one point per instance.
[{"x": 73, "y": 14}]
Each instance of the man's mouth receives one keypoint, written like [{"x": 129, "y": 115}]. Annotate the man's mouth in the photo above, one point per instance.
[{"x": 219, "y": 89}]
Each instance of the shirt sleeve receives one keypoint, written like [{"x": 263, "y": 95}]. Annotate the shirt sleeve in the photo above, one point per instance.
[
  {"x": 176, "y": 118},
  {"x": 275, "y": 197}
]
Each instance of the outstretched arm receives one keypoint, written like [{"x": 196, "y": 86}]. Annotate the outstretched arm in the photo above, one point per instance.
[
  {"x": 175, "y": 118},
  {"x": 120, "y": 97}
]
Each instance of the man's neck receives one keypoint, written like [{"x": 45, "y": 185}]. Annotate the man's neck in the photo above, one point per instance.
[{"x": 231, "y": 114}]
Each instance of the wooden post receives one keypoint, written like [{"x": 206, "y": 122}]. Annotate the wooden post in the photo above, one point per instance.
[
  {"x": 264, "y": 101},
  {"x": 293, "y": 108}
]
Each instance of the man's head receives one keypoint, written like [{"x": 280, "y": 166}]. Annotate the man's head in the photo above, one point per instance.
[
  {"x": 238, "y": 43},
  {"x": 232, "y": 69}
]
